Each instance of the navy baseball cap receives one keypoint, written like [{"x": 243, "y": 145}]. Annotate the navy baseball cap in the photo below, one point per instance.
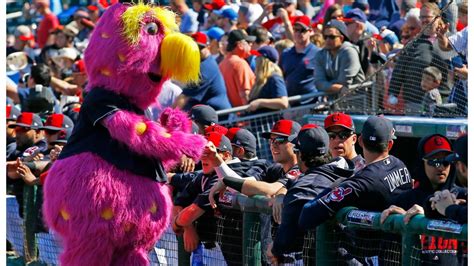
[
  {"x": 12, "y": 113},
  {"x": 312, "y": 139},
  {"x": 377, "y": 129},
  {"x": 435, "y": 143},
  {"x": 285, "y": 128},
  {"x": 460, "y": 150},
  {"x": 27, "y": 119},
  {"x": 221, "y": 142},
  {"x": 203, "y": 114},
  {"x": 243, "y": 138},
  {"x": 340, "y": 26},
  {"x": 356, "y": 15},
  {"x": 269, "y": 52}
]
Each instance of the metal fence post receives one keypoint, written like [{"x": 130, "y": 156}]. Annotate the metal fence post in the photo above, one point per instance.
[
  {"x": 30, "y": 214},
  {"x": 251, "y": 245},
  {"x": 409, "y": 241},
  {"x": 325, "y": 243}
]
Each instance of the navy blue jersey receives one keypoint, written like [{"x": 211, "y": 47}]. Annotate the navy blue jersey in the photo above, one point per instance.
[
  {"x": 371, "y": 188},
  {"x": 89, "y": 135},
  {"x": 289, "y": 237},
  {"x": 276, "y": 173}
]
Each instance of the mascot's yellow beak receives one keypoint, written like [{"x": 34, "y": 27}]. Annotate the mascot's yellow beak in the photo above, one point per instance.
[{"x": 180, "y": 58}]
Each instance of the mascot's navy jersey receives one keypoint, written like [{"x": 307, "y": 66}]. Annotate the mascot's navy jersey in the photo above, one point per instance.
[
  {"x": 371, "y": 188},
  {"x": 89, "y": 135}
]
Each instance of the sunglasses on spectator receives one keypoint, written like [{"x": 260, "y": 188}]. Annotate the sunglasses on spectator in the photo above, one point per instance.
[
  {"x": 341, "y": 134},
  {"x": 302, "y": 30},
  {"x": 437, "y": 163},
  {"x": 51, "y": 131},
  {"x": 22, "y": 129},
  {"x": 332, "y": 37},
  {"x": 278, "y": 140}
]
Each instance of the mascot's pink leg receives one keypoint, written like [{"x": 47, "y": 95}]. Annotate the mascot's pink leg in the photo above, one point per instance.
[{"x": 104, "y": 215}]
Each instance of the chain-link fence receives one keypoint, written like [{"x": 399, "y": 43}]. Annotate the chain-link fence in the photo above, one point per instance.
[{"x": 405, "y": 81}]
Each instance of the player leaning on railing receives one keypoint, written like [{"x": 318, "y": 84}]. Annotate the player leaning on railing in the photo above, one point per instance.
[{"x": 434, "y": 174}]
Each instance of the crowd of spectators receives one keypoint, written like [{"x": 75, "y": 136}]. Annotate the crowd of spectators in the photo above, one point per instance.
[{"x": 258, "y": 53}]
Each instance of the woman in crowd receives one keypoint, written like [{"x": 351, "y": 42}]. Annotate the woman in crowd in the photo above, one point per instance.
[{"x": 269, "y": 91}]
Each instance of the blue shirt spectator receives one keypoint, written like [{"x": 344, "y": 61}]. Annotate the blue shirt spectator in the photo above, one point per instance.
[
  {"x": 298, "y": 69},
  {"x": 189, "y": 22},
  {"x": 211, "y": 90}
]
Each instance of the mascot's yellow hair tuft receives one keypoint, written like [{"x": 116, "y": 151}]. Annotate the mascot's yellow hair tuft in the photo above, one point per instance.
[
  {"x": 177, "y": 48},
  {"x": 132, "y": 20}
]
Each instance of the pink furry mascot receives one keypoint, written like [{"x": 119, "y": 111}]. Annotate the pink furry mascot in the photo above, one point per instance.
[{"x": 106, "y": 195}]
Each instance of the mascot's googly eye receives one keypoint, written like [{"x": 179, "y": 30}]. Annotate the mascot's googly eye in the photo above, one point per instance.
[{"x": 151, "y": 28}]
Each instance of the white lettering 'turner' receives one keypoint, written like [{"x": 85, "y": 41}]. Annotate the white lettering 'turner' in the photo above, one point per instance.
[{"x": 397, "y": 178}]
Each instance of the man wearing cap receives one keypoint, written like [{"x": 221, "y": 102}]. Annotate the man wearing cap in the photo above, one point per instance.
[
  {"x": 203, "y": 116},
  {"x": 270, "y": 183},
  {"x": 297, "y": 62},
  {"x": 342, "y": 138},
  {"x": 312, "y": 150},
  {"x": 30, "y": 143},
  {"x": 283, "y": 17},
  {"x": 23, "y": 40},
  {"x": 357, "y": 32},
  {"x": 371, "y": 188},
  {"x": 434, "y": 174},
  {"x": 444, "y": 202},
  {"x": 211, "y": 89},
  {"x": 57, "y": 127},
  {"x": 338, "y": 64},
  {"x": 193, "y": 215},
  {"x": 214, "y": 35},
  {"x": 226, "y": 19},
  {"x": 238, "y": 75}
]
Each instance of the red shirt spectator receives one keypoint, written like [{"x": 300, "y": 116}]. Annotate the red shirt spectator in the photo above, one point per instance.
[{"x": 49, "y": 22}]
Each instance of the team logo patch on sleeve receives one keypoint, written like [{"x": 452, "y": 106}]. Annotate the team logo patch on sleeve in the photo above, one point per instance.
[
  {"x": 338, "y": 194},
  {"x": 293, "y": 174}
]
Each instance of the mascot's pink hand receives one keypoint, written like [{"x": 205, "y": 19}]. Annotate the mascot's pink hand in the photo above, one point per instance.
[
  {"x": 148, "y": 138},
  {"x": 175, "y": 120}
]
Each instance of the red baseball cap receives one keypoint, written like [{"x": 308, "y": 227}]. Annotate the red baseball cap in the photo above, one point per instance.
[
  {"x": 436, "y": 143},
  {"x": 221, "y": 142},
  {"x": 304, "y": 21},
  {"x": 12, "y": 113},
  {"x": 200, "y": 38},
  {"x": 339, "y": 119},
  {"x": 216, "y": 128},
  {"x": 214, "y": 5},
  {"x": 27, "y": 119},
  {"x": 285, "y": 128},
  {"x": 58, "y": 122}
]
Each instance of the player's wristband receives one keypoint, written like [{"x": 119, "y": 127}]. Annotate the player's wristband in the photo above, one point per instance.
[{"x": 234, "y": 182}]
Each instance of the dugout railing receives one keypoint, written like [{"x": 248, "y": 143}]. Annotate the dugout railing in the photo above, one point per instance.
[{"x": 351, "y": 236}]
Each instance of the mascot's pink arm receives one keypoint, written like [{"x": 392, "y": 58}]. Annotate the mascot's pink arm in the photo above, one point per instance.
[{"x": 167, "y": 143}]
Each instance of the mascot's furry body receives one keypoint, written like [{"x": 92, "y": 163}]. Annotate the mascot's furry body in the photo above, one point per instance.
[{"x": 103, "y": 195}]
